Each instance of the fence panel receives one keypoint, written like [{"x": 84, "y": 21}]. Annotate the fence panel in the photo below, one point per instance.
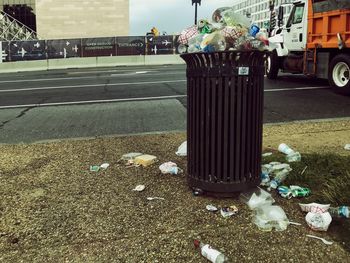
[
  {"x": 63, "y": 48},
  {"x": 27, "y": 50},
  {"x": 98, "y": 47},
  {"x": 128, "y": 46},
  {"x": 160, "y": 45}
]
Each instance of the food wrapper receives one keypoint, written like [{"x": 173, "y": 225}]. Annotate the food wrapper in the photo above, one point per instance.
[
  {"x": 314, "y": 208},
  {"x": 188, "y": 33},
  {"x": 318, "y": 221}
]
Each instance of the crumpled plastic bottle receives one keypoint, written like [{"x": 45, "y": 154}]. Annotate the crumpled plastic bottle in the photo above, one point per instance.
[{"x": 213, "y": 42}]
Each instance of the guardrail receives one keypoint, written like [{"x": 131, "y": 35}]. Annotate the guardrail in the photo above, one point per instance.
[{"x": 88, "y": 47}]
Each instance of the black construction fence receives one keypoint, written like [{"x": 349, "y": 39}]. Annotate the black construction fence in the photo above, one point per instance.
[{"x": 88, "y": 47}]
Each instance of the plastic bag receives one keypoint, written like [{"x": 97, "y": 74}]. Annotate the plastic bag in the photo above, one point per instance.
[
  {"x": 169, "y": 168},
  {"x": 182, "y": 150},
  {"x": 257, "y": 198},
  {"x": 268, "y": 217},
  {"x": 231, "y": 18}
]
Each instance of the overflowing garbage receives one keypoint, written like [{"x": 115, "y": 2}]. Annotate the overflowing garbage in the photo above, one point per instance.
[{"x": 226, "y": 30}]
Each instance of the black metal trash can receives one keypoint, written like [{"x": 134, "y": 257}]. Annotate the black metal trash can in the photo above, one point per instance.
[{"x": 224, "y": 120}]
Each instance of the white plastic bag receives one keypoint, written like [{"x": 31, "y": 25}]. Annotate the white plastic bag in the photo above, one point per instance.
[
  {"x": 182, "y": 150},
  {"x": 268, "y": 217}
]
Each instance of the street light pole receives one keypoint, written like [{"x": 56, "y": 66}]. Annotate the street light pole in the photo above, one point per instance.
[{"x": 196, "y": 2}]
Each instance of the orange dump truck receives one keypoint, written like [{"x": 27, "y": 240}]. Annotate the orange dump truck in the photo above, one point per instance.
[{"x": 315, "y": 41}]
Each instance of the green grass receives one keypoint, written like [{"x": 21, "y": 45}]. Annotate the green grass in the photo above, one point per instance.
[{"x": 328, "y": 177}]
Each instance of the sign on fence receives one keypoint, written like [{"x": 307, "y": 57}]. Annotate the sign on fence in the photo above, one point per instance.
[
  {"x": 63, "y": 48},
  {"x": 160, "y": 45},
  {"x": 27, "y": 50},
  {"x": 98, "y": 47},
  {"x": 88, "y": 47},
  {"x": 128, "y": 46}
]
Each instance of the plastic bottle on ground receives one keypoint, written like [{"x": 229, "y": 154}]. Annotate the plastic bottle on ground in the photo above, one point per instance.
[
  {"x": 279, "y": 178},
  {"x": 340, "y": 211},
  {"x": 210, "y": 253}
]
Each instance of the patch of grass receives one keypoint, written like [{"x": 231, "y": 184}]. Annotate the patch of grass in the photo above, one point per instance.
[{"x": 327, "y": 175}]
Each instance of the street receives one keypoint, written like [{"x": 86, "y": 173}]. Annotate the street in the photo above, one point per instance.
[{"x": 37, "y": 106}]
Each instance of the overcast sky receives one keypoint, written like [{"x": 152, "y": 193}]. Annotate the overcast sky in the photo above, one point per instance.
[{"x": 170, "y": 16}]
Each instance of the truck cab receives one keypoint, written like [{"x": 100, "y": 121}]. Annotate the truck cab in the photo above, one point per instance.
[{"x": 315, "y": 41}]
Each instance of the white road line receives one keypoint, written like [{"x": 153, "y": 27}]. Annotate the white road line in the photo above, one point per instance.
[
  {"x": 91, "y": 101},
  {"x": 301, "y": 88},
  {"x": 142, "y": 83},
  {"x": 94, "y": 85},
  {"x": 92, "y": 77}
]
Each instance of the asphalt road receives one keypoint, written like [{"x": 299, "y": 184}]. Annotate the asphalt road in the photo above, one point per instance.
[{"x": 74, "y": 103}]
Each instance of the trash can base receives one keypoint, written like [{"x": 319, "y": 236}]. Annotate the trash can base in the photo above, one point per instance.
[{"x": 222, "y": 189}]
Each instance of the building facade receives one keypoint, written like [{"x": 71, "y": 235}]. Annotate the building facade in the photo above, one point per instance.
[
  {"x": 259, "y": 10},
  {"x": 60, "y": 19}
]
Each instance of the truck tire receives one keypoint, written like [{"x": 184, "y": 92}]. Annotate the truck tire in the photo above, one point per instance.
[
  {"x": 339, "y": 74},
  {"x": 272, "y": 65}
]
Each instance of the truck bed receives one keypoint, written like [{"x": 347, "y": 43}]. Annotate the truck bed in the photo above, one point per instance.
[{"x": 325, "y": 20}]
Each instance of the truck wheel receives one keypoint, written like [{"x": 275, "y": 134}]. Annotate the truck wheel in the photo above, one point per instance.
[
  {"x": 339, "y": 74},
  {"x": 272, "y": 65}
]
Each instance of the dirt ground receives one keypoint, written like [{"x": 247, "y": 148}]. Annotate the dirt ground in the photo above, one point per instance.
[{"x": 53, "y": 209}]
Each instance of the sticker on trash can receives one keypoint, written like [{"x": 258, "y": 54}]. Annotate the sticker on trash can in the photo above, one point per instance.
[{"x": 243, "y": 71}]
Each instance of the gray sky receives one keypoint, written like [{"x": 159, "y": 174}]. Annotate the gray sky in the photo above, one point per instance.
[{"x": 169, "y": 15}]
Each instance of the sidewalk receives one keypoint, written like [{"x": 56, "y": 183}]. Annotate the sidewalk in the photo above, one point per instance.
[{"x": 53, "y": 209}]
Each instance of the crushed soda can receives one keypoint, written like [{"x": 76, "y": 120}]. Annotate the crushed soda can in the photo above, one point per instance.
[
  {"x": 285, "y": 192},
  {"x": 298, "y": 191},
  {"x": 211, "y": 208},
  {"x": 229, "y": 211}
]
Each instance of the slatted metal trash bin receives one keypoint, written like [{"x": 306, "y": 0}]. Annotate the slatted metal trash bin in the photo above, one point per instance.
[{"x": 224, "y": 120}]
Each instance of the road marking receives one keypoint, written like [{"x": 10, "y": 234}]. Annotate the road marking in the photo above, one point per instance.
[
  {"x": 301, "y": 88},
  {"x": 142, "y": 83},
  {"x": 93, "y": 77},
  {"x": 95, "y": 85},
  {"x": 91, "y": 101}
]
